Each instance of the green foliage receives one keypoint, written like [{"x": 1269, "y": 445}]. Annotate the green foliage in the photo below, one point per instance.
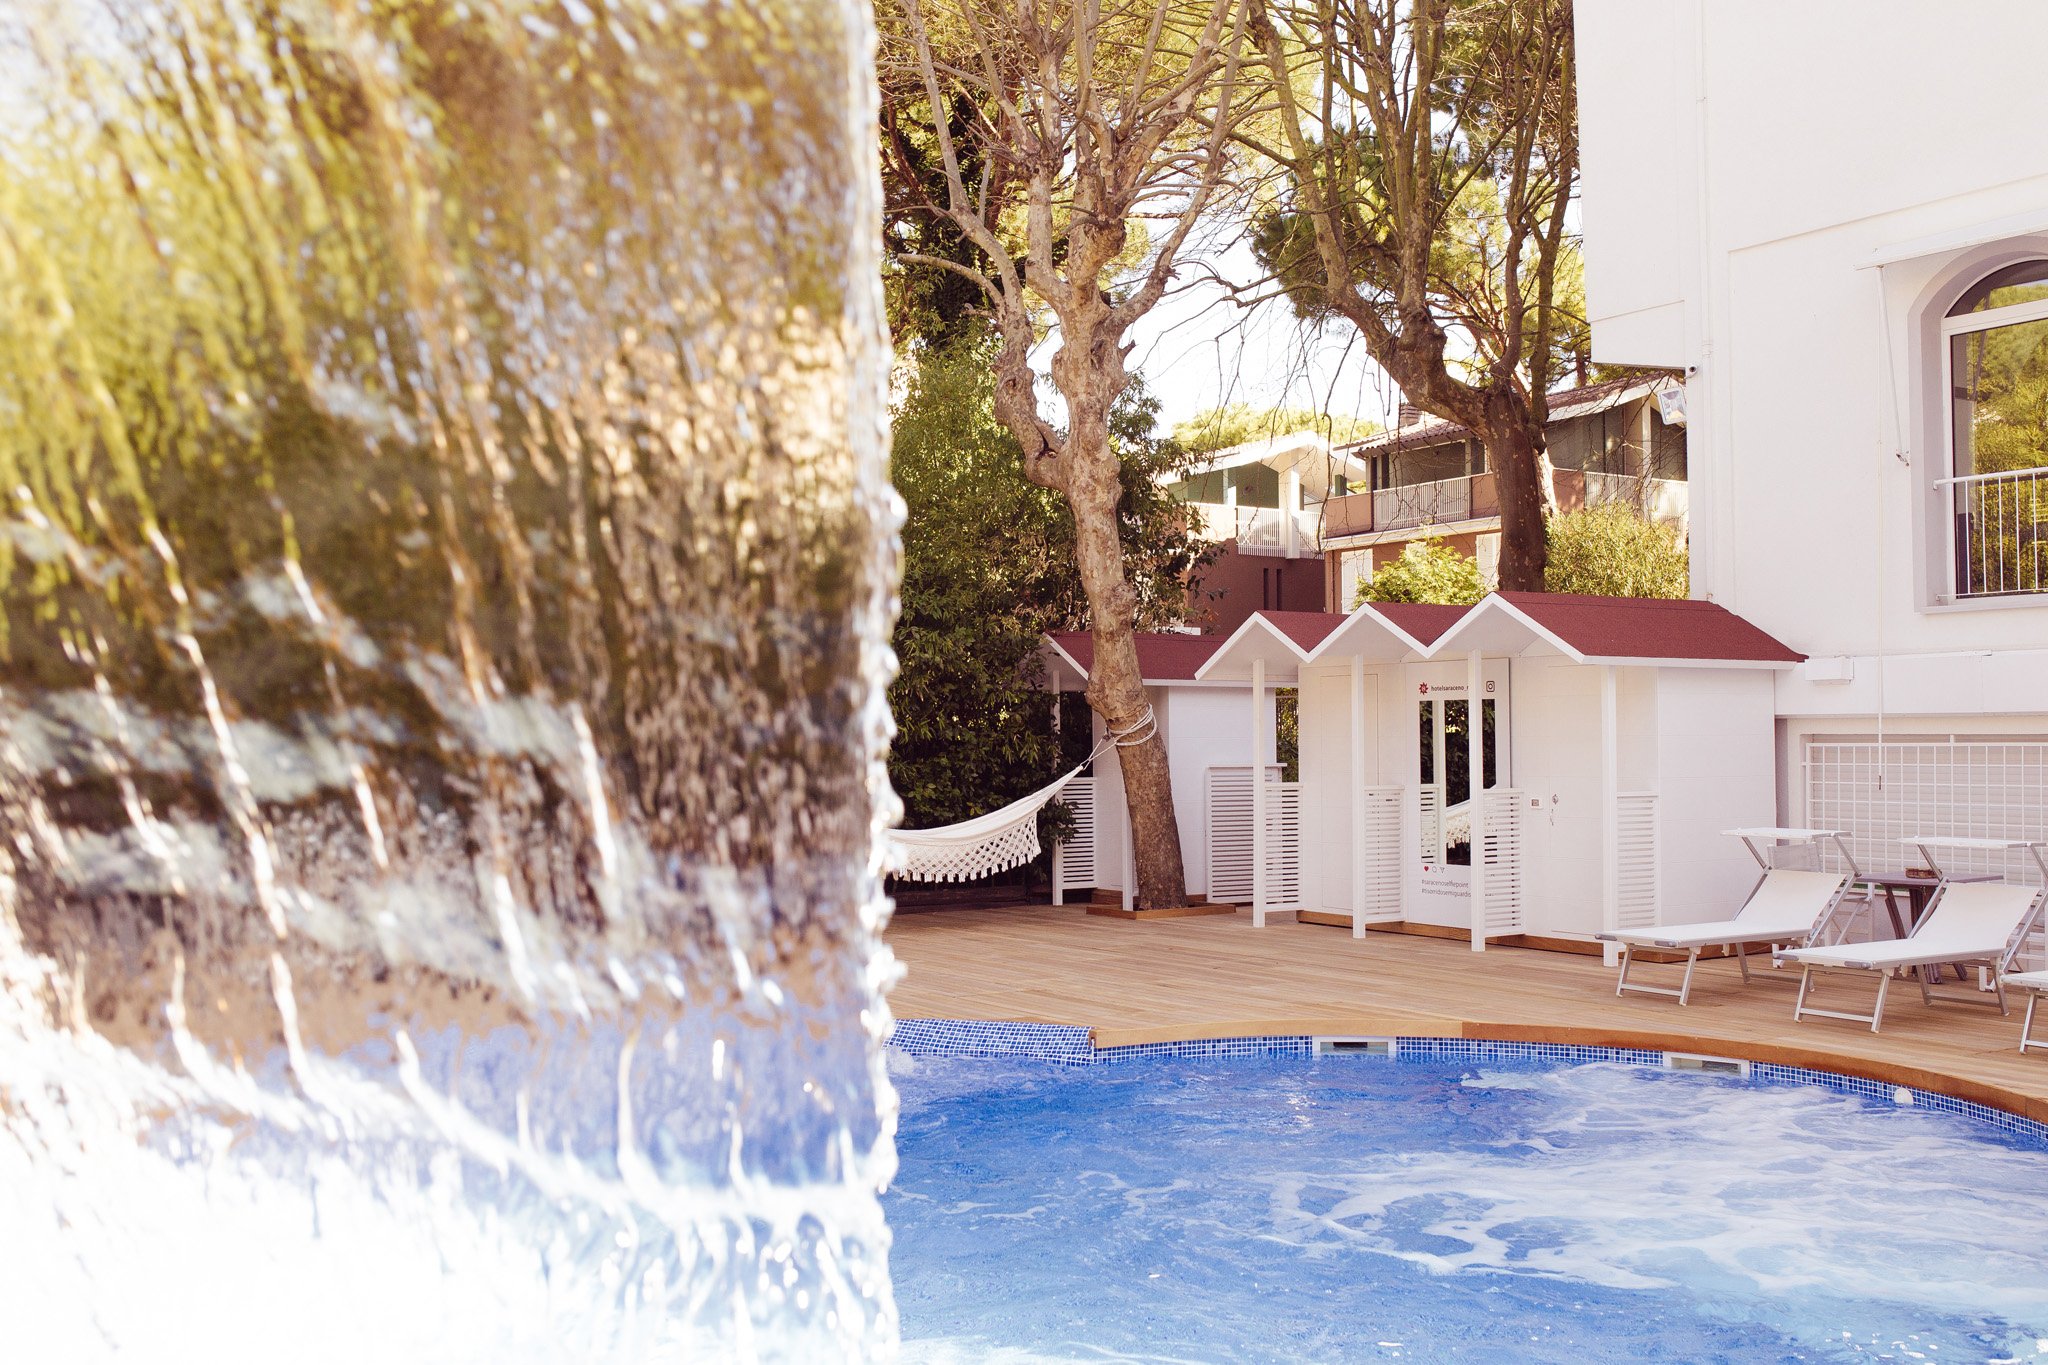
[
  {"x": 1238, "y": 423},
  {"x": 1427, "y": 571},
  {"x": 1287, "y": 732},
  {"x": 927, "y": 301},
  {"x": 1612, "y": 550},
  {"x": 988, "y": 567},
  {"x": 2003, "y": 373},
  {"x": 1468, "y": 252}
]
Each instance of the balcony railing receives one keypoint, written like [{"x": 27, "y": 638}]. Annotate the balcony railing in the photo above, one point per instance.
[
  {"x": 2001, "y": 523},
  {"x": 1657, "y": 499},
  {"x": 1422, "y": 504},
  {"x": 1471, "y": 498},
  {"x": 1257, "y": 530},
  {"x": 1263, "y": 531}
]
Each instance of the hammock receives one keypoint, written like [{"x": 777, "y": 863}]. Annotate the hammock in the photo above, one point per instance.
[{"x": 997, "y": 841}]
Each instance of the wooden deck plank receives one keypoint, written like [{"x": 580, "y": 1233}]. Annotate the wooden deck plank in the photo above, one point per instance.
[{"x": 1159, "y": 980}]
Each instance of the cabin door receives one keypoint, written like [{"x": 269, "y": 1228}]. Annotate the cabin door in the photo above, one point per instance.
[{"x": 1443, "y": 780}]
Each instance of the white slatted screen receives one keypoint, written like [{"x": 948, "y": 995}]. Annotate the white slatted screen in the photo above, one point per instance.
[
  {"x": 1430, "y": 825},
  {"x": 1075, "y": 860},
  {"x": 1381, "y": 853},
  {"x": 1227, "y": 822},
  {"x": 1283, "y": 846},
  {"x": 1637, "y": 849},
  {"x": 1501, "y": 856}
]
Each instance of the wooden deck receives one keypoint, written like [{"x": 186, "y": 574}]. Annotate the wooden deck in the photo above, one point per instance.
[{"x": 1217, "y": 977}]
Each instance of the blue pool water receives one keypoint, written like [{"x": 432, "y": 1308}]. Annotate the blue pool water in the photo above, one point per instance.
[{"x": 1359, "y": 1209}]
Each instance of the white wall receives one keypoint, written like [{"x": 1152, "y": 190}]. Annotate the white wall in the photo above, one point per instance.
[
  {"x": 1557, "y": 760},
  {"x": 1743, "y": 158},
  {"x": 1637, "y": 191},
  {"x": 1718, "y": 770},
  {"x": 1701, "y": 739},
  {"x": 1326, "y": 787},
  {"x": 1205, "y": 727}
]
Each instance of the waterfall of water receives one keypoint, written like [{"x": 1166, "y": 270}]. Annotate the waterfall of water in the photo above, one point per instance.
[{"x": 444, "y": 592}]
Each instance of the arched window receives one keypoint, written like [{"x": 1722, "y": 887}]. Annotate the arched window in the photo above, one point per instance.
[{"x": 1997, "y": 341}]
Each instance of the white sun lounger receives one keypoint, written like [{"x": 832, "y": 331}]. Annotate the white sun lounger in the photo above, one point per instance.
[
  {"x": 2036, "y": 984},
  {"x": 1787, "y": 905},
  {"x": 1971, "y": 924}
]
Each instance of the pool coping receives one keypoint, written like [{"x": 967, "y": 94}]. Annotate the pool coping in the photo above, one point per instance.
[{"x": 1438, "y": 1038}]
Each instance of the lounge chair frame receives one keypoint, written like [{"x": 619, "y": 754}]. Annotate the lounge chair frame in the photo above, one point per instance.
[
  {"x": 1749, "y": 838},
  {"x": 2035, "y": 984},
  {"x": 1996, "y": 965}
]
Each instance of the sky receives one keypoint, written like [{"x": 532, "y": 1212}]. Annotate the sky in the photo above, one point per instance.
[{"x": 1199, "y": 349}]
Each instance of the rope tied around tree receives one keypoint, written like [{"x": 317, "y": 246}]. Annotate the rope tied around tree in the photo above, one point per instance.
[{"x": 1130, "y": 736}]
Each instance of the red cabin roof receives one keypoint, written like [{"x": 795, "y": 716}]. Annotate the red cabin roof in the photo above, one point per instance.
[
  {"x": 1649, "y": 628},
  {"x": 1423, "y": 621},
  {"x": 1162, "y": 657},
  {"x": 1306, "y": 629}
]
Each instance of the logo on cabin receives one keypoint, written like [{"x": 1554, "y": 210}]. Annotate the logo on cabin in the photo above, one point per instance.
[
  {"x": 1423, "y": 688},
  {"x": 1489, "y": 684}
]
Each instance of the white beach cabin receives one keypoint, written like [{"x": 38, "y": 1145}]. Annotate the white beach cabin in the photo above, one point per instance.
[
  {"x": 1208, "y": 747},
  {"x": 1617, "y": 738}
]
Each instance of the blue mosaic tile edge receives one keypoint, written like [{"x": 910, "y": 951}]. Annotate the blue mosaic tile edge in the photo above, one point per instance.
[{"x": 1069, "y": 1045}]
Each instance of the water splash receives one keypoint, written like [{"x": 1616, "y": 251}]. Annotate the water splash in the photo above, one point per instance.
[{"x": 444, "y": 589}]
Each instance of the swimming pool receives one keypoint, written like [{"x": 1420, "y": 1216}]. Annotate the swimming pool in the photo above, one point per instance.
[{"x": 1353, "y": 1208}]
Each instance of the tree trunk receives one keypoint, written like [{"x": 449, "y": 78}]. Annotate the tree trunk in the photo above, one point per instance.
[
  {"x": 1518, "y": 478},
  {"x": 1116, "y": 686},
  {"x": 1148, "y": 783}
]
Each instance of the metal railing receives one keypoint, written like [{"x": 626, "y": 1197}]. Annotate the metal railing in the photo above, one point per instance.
[
  {"x": 1257, "y": 530},
  {"x": 1657, "y": 499},
  {"x": 1443, "y": 502},
  {"x": 1422, "y": 504},
  {"x": 1263, "y": 530},
  {"x": 2001, "y": 529}
]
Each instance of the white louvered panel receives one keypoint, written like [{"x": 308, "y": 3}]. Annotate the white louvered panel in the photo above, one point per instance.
[
  {"x": 1502, "y": 859},
  {"x": 1283, "y": 846},
  {"x": 1077, "y": 855},
  {"x": 1880, "y": 794},
  {"x": 1636, "y": 847},
  {"x": 1430, "y": 825},
  {"x": 1227, "y": 824},
  {"x": 1381, "y": 853}
]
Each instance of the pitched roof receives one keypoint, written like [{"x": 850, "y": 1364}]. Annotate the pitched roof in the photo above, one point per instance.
[
  {"x": 1162, "y": 657},
  {"x": 1424, "y": 621},
  {"x": 1306, "y": 629},
  {"x": 1649, "y": 628}
]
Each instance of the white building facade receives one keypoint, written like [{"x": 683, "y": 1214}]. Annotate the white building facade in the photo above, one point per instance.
[{"x": 1834, "y": 217}]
